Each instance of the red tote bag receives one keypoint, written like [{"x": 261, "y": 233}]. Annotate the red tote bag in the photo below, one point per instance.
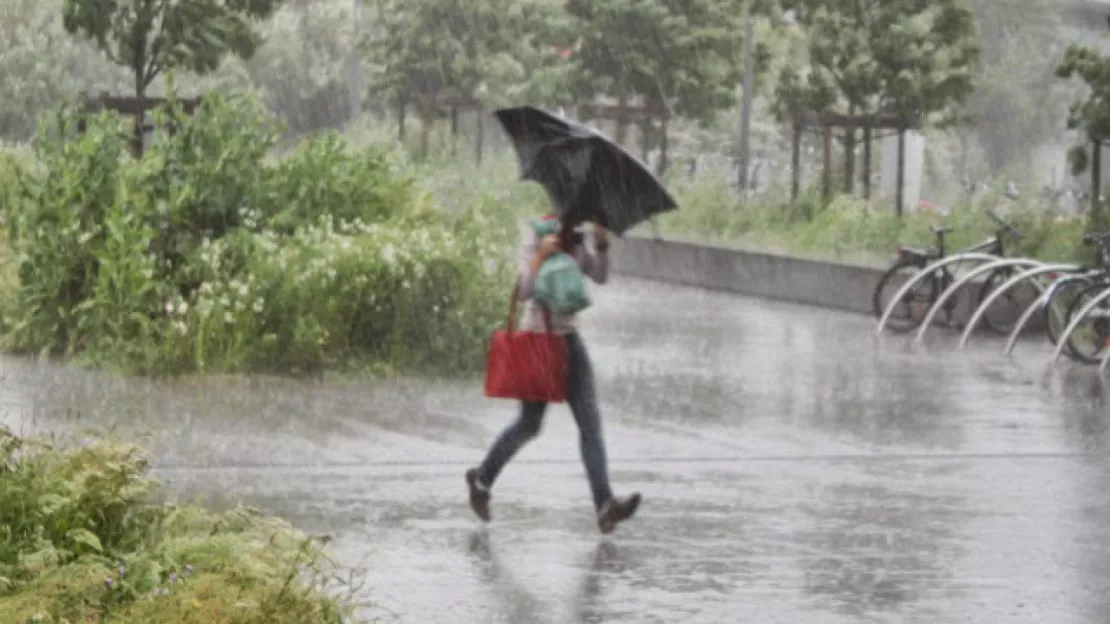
[{"x": 527, "y": 366}]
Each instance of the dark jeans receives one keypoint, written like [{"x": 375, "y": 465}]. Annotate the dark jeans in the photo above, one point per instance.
[{"x": 582, "y": 399}]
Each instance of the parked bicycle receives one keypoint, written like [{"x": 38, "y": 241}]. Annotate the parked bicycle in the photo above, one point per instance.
[
  {"x": 911, "y": 310},
  {"x": 1066, "y": 287}
]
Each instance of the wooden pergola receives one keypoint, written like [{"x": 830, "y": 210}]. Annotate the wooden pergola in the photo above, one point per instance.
[
  {"x": 642, "y": 115},
  {"x": 132, "y": 106},
  {"x": 449, "y": 107},
  {"x": 828, "y": 121}
]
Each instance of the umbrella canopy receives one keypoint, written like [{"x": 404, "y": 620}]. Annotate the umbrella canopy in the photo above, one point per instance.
[{"x": 587, "y": 176}]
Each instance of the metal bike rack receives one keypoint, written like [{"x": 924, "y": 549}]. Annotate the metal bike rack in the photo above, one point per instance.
[
  {"x": 1080, "y": 315},
  {"x": 956, "y": 285},
  {"x": 1007, "y": 285},
  {"x": 1033, "y": 307},
  {"x": 1102, "y": 364},
  {"x": 926, "y": 273}
]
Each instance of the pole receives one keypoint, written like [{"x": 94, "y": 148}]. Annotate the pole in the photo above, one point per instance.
[
  {"x": 355, "y": 76},
  {"x": 746, "y": 101},
  {"x": 899, "y": 200}
]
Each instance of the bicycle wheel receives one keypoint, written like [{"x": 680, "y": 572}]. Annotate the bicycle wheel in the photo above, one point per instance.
[
  {"x": 1003, "y": 313},
  {"x": 911, "y": 310},
  {"x": 1092, "y": 335},
  {"x": 1058, "y": 306}
]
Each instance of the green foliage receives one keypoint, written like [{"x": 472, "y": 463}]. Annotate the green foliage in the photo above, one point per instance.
[
  {"x": 1090, "y": 115},
  {"x": 910, "y": 58},
  {"x": 685, "y": 57},
  {"x": 431, "y": 52},
  {"x": 151, "y": 36},
  {"x": 207, "y": 254},
  {"x": 81, "y": 541},
  {"x": 854, "y": 230},
  {"x": 1018, "y": 100}
]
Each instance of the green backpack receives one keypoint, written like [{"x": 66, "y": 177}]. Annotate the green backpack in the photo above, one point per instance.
[{"x": 559, "y": 284}]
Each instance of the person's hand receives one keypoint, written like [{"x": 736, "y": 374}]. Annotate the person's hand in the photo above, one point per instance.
[
  {"x": 601, "y": 238},
  {"x": 548, "y": 245}
]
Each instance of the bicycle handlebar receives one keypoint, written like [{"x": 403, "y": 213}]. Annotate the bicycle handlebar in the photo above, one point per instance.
[
  {"x": 1101, "y": 239},
  {"x": 1009, "y": 229}
]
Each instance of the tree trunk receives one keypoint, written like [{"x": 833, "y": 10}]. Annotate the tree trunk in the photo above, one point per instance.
[
  {"x": 479, "y": 134},
  {"x": 401, "y": 120},
  {"x": 826, "y": 168},
  {"x": 454, "y": 113},
  {"x": 646, "y": 126},
  {"x": 796, "y": 161},
  {"x": 622, "y": 121},
  {"x": 664, "y": 144},
  {"x": 899, "y": 207},
  {"x": 850, "y": 156},
  {"x": 1096, "y": 178},
  {"x": 867, "y": 162},
  {"x": 425, "y": 133},
  {"x": 140, "y": 97}
]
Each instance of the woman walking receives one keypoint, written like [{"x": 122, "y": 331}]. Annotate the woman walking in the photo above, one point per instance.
[{"x": 581, "y": 394}]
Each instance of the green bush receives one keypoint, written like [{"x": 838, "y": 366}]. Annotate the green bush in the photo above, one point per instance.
[
  {"x": 82, "y": 541},
  {"x": 208, "y": 253}
]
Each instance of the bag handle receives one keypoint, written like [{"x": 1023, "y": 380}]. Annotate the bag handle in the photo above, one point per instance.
[{"x": 512, "y": 310}]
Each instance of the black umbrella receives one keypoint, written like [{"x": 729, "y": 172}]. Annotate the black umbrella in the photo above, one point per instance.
[{"x": 587, "y": 176}]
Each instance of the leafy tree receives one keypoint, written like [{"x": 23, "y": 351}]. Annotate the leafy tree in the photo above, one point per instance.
[
  {"x": 681, "y": 56},
  {"x": 1090, "y": 115},
  {"x": 1018, "y": 101},
  {"x": 41, "y": 64},
  {"x": 913, "y": 59},
  {"x": 151, "y": 36},
  {"x": 927, "y": 56},
  {"x": 428, "y": 53}
]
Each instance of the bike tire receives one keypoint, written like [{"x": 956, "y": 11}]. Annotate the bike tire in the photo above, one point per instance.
[
  {"x": 1057, "y": 310},
  {"x": 1006, "y": 308},
  {"x": 924, "y": 291},
  {"x": 1073, "y": 347}
]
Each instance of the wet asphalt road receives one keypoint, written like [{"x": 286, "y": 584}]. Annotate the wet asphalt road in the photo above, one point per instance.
[{"x": 794, "y": 469}]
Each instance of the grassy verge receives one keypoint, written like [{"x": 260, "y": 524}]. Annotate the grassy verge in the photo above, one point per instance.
[
  {"x": 860, "y": 231},
  {"x": 81, "y": 540},
  {"x": 846, "y": 229}
]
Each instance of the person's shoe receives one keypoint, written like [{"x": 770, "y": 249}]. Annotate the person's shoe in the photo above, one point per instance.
[
  {"x": 617, "y": 510},
  {"x": 479, "y": 495}
]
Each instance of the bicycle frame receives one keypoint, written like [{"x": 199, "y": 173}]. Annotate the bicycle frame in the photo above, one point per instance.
[
  {"x": 1079, "y": 317},
  {"x": 1028, "y": 274},
  {"x": 927, "y": 273},
  {"x": 1034, "y": 307},
  {"x": 998, "y": 263}
]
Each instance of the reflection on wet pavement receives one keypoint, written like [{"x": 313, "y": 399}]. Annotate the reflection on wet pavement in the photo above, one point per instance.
[{"x": 794, "y": 468}]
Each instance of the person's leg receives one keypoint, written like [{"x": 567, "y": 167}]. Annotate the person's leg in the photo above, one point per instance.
[
  {"x": 582, "y": 398},
  {"x": 516, "y": 435}
]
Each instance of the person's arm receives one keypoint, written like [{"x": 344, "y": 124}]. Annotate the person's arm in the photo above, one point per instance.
[{"x": 595, "y": 261}]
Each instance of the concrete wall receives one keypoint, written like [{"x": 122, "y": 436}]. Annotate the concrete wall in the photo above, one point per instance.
[{"x": 837, "y": 285}]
